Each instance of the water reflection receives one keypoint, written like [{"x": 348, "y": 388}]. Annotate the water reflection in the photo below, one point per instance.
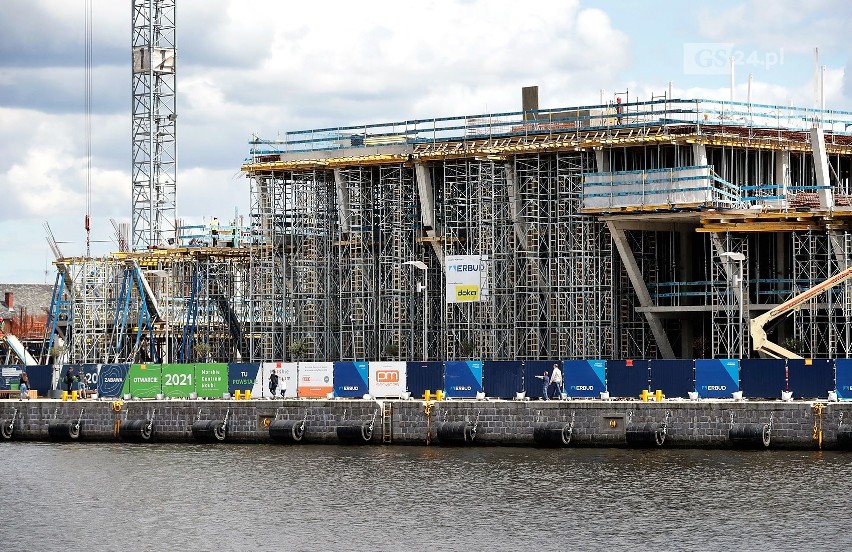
[{"x": 316, "y": 497}]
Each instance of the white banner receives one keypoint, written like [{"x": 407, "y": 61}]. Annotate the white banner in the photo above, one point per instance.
[
  {"x": 316, "y": 379},
  {"x": 387, "y": 379},
  {"x": 467, "y": 278},
  {"x": 286, "y": 379}
]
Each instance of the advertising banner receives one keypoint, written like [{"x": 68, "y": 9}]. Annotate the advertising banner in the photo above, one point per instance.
[
  {"x": 843, "y": 369},
  {"x": 287, "y": 380},
  {"x": 466, "y": 278},
  {"x": 88, "y": 376},
  {"x": 462, "y": 378},
  {"x": 242, "y": 376},
  {"x": 351, "y": 379},
  {"x": 387, "y": 378},
  {"x": 178, "y": 380},
  {"x": 143, "y": 381},
  {"x": 717, "y": 378},
  {"x": 211, "y": 380},
  {"x": 584, "y": 378},
  {"x": 111, "y": 380},
  {"x": 316, "y": 379}
]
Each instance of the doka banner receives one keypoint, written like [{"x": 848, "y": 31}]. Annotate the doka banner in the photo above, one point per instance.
[{"x": 467, "y": 278}]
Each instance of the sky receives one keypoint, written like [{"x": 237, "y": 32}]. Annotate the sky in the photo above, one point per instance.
[{"x": 265, "y": 67}]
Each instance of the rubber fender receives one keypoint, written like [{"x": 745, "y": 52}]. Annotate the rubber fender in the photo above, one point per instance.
[
  {"x": 64, "y": 430},
  {"x": 456, "y": 433},
  {"x": 552, "y": 434},
  {"x": 209, "y": 431},
  {"x": 750, "y": 435},
  {"x": 844, "y": 439},
  {"x": 287, "y": 431},
  {"x": 354, "y": 432},
  {"x": 645, "y": 435},
  {"x": 7, "y": 429},
  {"x": 136, "y": 431}
]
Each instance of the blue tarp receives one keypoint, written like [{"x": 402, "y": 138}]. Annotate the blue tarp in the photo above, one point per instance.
[
  {"x": 502, "y": 378},
  {"x": 675, "y": 377},
  {"x": 810, "y": 378},
  {"x": 533, "y": 368},
  {"x": 627, "y": 378},
  {"x": 420, "y": 376},
  {"x": 763, "y": 378}
]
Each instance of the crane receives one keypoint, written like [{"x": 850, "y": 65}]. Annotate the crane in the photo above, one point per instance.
[{"x": 756, "y": 327}]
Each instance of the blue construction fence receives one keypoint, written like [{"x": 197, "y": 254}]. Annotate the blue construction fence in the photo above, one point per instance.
[{"x": 628, "y": 378}]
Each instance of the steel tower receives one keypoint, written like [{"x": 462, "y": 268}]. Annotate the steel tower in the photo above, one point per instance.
[{"x": 154, "y": 154}]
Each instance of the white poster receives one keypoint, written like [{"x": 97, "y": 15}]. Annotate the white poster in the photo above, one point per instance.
[
  {"x": 467, "y": 278},
  {"x": 286, "y": 379},
  {"x": 316, "y": 379},
  {"x": 387, "y": 379}
]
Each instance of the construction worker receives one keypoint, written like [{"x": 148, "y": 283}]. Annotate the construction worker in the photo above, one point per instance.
[
  {"x": 619, "y": 109},
  {"x": 214, "y": 230}
]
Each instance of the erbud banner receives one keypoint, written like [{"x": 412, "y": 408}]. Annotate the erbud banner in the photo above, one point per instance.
[{"x": 467, "y": 278}]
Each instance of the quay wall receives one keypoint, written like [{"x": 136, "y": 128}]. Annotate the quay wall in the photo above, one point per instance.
[{"x": 595, "y": 423}]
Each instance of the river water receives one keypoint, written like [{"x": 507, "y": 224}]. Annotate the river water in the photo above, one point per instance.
[{"x": 186, "y": 497}]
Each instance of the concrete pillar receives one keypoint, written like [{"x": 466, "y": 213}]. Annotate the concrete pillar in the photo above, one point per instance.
[
  {"x": 782, "y": 176},
  {"x": 699, "y": 154},
  {"x": 344, "y": 214},
  {"x": 602, "y": 160},
  {"x": 826, "y": 197}
]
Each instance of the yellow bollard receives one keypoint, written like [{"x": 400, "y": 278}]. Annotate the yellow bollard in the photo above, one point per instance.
[
  {"x": 644, "y": 395},
  {"x": 427, "y": 395},
  {"x": 659, "y": 395},
  {"x": 65, "y": 395},
  {"x": 74, "y": 395},
  {"x": 247, "y": 395},
  {"x": 439, "y": 395},
  {"x": 238, "y": 394}
]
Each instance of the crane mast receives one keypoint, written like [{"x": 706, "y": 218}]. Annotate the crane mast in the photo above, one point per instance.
[{"x": 154, "y": 152}]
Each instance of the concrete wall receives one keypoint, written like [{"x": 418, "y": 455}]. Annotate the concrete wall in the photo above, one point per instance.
[{"x": 595, "y": 423}]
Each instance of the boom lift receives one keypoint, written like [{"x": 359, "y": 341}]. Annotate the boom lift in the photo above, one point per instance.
[{"x": 761, "y": 344}]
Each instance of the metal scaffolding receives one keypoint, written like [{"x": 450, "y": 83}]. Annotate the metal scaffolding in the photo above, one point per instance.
[
  {"x": 154, "y": 150},
  {"x": 594, "y": 239}
]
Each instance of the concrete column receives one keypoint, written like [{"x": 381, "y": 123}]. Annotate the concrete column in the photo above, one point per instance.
[
  {"x": 782, "y": 179},
  {"x": 344, "y": 213},
  {"x": 826, "y": 197},
  {"x": 699, "y": 154},
  {"x": 423, "y": 178},
  {"x": 602, "y": 160}
]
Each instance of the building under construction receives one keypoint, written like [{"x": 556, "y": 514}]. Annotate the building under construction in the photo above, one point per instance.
[{"x": 639, "y": 230}]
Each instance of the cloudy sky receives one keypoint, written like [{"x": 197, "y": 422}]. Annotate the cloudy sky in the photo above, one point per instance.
[{"x": 266, "y": 66}]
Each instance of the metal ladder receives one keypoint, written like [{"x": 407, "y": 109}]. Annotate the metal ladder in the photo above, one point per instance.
[{"x": 387, "y": 422}]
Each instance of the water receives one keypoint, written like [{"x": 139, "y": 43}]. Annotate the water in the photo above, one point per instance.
[{"x": 99, "y": 497}]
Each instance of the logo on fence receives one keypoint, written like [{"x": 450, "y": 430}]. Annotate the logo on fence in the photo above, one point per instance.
[{"x": 387, "y": 376}]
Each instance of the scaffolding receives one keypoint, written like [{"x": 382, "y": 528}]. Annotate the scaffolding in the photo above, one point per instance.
[{"x": 659, "y": 235}]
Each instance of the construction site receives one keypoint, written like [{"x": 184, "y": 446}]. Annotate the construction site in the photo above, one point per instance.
[{"x": 636, "y": 229}]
